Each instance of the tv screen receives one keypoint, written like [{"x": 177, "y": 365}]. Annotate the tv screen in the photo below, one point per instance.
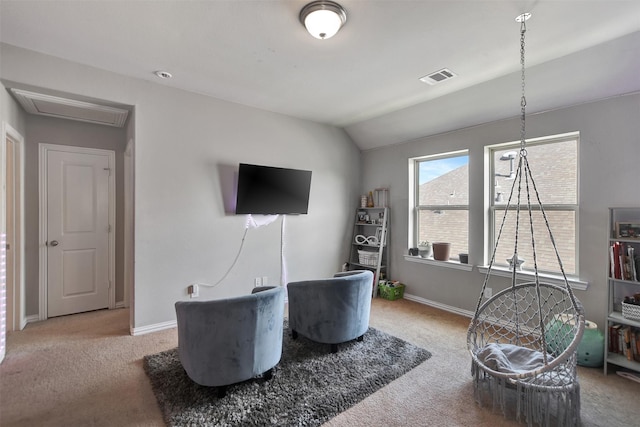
[{"x": 269, "y": 190}]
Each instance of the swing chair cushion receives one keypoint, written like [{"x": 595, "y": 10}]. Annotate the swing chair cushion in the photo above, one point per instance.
[{"x": 511, "y": 358}]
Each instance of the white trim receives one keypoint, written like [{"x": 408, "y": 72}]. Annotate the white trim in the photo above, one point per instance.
[
  {"x": 446, "y": 264},
  {"x": 449, "y": 308},
  {"x": 72, "y": 109},
  {"x": 128, "y": 266},
  {"x": 414, "y": 189},
  {"x": 529, "y": 276},
  {"x": 30, "y": 319},
  {"x": 19, "y": 300},
  {"x": 43, "y": 149},
  {"x": 156, "y": 327},
  {"x": 492, "y": 209},
  {"x": 42, "y": 237},
  {"x": 3, "y": 231}
]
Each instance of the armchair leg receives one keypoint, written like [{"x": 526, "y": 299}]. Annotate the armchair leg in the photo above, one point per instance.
[
  {"x": 222, "y": 391},
  {"x": 268, "y": 375},
  {"x": 334, "y": 348},
  {"x": 294, "y": 334},
  {"x": 360, "y": 338}
]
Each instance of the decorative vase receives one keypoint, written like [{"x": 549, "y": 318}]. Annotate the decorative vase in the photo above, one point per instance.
[
  {"x": 425, "y": 251},
  {"x": 441, "y": 251},
  {"x": 370, "y": 200}
]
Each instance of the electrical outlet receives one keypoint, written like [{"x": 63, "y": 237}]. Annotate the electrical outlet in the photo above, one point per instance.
[
  {"x": 193, "y": 291},
  {"x": 488, "y": 292},
  {"x": 264, "y": 280},
  {"x": 257, "y": 282}
]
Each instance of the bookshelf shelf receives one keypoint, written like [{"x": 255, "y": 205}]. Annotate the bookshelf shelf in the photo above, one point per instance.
[
  {"x": 369, "y": 243},
  {"x": 616, "y": 316},
  {"x": 622, "y": 334},
  {"x": 619, "y": 360}
]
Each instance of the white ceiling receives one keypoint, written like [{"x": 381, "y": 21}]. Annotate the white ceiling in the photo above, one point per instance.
[{"x": 365, "y": 79}]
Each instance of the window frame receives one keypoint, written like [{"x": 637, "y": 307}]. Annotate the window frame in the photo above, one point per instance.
[
  {"x": 492, "y": 208},
  {"x": 414, "y": 193}
]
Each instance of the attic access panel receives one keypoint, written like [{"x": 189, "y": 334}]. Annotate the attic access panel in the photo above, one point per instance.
[{"x": 65, "y": 108}]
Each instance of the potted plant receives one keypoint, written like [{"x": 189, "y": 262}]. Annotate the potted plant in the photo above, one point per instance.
[
  {"x": 441, "y": 251},
  {"x": 425, "y": 249}
]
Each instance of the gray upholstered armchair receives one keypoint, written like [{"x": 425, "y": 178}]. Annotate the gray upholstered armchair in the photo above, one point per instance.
[
  {"x": 331, "y": 311},
  {"x": 226, "y": 341}
]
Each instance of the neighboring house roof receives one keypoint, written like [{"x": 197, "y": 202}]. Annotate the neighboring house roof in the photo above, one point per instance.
[{"x": 554, "y": 171}]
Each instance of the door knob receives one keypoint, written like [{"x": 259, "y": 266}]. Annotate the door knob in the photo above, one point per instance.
[{"x": 53, "y": 243}]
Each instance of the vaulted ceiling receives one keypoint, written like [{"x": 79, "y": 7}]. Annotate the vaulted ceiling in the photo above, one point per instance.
[{"x": 366, "y": 78}]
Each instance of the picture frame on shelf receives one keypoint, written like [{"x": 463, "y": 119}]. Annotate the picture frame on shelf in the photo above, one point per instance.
[{"x": 628, "y": 230}]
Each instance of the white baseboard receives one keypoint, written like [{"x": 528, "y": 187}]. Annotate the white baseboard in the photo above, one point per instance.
[
  {"x": 449, "y": 308},
  {"x": 154, "y": 328},
  {"x": 29, "y": 319},
  {"x": 172, "y": 324}
]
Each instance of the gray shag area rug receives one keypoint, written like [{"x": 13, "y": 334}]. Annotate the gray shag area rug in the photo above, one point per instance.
[{"x": 309, "y": 386}]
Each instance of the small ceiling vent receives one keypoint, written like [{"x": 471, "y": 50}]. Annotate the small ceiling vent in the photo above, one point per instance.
[
  {"x": 438, "y": 77},
  {"x": 65, "y": 108}
]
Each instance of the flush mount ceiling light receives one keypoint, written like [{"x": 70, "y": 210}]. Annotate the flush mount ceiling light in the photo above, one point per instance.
[{"x": 323, "y": 18}]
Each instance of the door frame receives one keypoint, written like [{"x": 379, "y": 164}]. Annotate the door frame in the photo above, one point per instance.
[
  {"x": 17, "y": 300},
  {"x": 43, "y": 150},
  {"x": 129, "y": 243}
]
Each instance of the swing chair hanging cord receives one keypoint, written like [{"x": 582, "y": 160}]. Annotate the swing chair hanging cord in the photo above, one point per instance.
[
  {"x": 529, "y": 175},
  {"x": 524, "y": 163}
]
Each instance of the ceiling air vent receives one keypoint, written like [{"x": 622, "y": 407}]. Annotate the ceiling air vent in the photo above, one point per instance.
[
  {"x": 438, "y": 76},
  {"x": 64, "y": 108}
]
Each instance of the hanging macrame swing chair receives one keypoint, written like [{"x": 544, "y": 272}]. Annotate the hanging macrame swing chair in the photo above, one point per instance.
[{"x": 523, "y": 341}]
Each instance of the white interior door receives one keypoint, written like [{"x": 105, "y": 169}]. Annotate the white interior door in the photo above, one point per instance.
[{"x": 77, "y": 240}]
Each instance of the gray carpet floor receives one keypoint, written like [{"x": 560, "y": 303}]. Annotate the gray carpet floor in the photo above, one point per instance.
[
  {"x": 87, "y": 370},
  {"x": 309, "y": 386}
]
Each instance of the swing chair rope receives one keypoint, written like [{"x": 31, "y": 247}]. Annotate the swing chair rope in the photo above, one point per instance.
[
  {"x": 518, "y": 177},
  {"x": 516, "y": 321},
  {"x": 523, "y": 164}
]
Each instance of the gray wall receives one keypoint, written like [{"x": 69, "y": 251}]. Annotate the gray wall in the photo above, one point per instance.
[
  {"x": 48, "y": 130},
  {"x": 187, "y": 147},
  {"x": 609, "y": 151}
]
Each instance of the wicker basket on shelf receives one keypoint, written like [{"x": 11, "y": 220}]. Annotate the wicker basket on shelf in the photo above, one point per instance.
[
  {"x": 630, "y": 311},
  {"x": 368, "y": 258}
]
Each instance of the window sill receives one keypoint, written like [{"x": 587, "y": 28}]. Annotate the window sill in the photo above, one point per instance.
[
  {"x": 575, "y": 283},
  {"x": 447, "y": 264}
]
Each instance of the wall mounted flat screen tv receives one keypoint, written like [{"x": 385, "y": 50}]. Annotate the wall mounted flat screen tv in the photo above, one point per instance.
[{"x": 270, "y": 190}]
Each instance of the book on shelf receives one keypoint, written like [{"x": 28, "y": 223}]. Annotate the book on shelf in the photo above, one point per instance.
[
  {"x": 613, "y": 338},
  {"x": 623, "y": 262},
  {"x": 625, "y": 341},
  {"x": 631, "y": 263}
]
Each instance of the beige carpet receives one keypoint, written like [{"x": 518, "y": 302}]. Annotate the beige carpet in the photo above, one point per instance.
[{"x": 86, "y": 370}]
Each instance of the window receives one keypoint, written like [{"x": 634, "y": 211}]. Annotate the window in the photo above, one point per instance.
[
  {"x": 440, "y": 200},
  {"x": 554, "y": 167}
]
